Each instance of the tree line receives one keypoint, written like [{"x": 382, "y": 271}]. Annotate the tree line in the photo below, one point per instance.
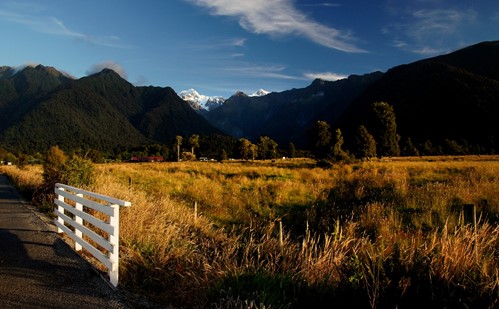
[
  {"x": 377, "y": 138},
  {"x": 383, "y": 141}
]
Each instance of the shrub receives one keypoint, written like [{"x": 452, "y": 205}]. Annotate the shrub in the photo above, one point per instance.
[
  {"x": 76, "y": 172},
  {"x": 188, "y": 156}
]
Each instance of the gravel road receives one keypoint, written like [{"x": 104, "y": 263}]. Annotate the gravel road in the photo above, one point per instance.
[{"x": 38, "y": 269}]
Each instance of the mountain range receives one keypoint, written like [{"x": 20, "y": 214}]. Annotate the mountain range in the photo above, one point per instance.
[
  {"x": 453, "y": 97},
  {"x": 450, "y": 98},
  {"x": 199, "y": 102},
  {"x": 287, "y": 116},
  {"x": 41, "y": 107},
  {"x": 203, "y": 103}
]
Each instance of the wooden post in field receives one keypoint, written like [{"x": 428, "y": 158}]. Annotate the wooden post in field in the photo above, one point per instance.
[
  {"x": 129, "y": 183},
  {"x": 469, "y": 214},
  {"x": 469, "y": 217},
  {"x": 281, "y": 241},
  {"x": 195, "y": 212}
]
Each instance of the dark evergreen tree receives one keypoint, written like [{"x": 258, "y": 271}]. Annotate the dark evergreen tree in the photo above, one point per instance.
[
  {"x": 409, "y": 149},
  {"x": 320, "y": 139},
  {"x": 267, "y": 148},
  {"x": 194, "y": 142},
  {"x": 427, "y": 148},
  {"x": 452, "y": 147},
  {"x": 337, "y": 151},
  {"x": 386, "y": 130},
  {"x": 291, "y": 150},
  {"x": 245, "y": 149},
  {"x": 210, "y": 146},
  {"x": 222, "y": 156},
  {"x": 365, "y": 144},
  {"x": 178, "y": 144}
]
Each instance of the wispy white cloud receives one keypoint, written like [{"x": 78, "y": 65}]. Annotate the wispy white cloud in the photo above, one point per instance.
[
  {"x": 430, "y": 31},
  {"x": 271, "y": 71},
  {"x": 25, "y": 65},
  {"x": 429, "y": 51},
  {"x": 212, "y": 44},
  {"x": 438, "y": 22},
  {"x": 57, "y": 27},
  {"x": 54, "y": 26},
  {"x": 324, "y": 4},
  {"x": 279, "y": 18},
  {"x": 237, "y": 42},
  {"x": 325, "y": 76}
]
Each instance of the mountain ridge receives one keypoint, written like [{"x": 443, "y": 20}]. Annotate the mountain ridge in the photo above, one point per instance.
[
  {"x": 455, "y": 101},
  {"x": 445, "y": 100},
  {"x": 101, "y": 111},
  {"x": 287, "y": 116},
  {"x": 203, "y": 103}
]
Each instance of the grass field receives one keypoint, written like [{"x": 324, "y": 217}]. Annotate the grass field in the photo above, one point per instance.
[{"x": 286, "y": 234}]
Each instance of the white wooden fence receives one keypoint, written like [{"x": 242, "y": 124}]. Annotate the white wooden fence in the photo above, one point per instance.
[{"x": 75, "y": 228}]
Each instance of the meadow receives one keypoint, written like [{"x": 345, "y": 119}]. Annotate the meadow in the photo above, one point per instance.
[{"x": 288, "y": 234}]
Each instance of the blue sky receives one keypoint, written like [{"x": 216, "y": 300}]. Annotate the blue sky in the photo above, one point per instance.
[{"x": 219, "y": 47}]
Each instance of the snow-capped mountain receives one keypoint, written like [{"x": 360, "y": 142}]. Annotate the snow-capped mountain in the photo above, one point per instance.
[
  {"x": 260, "y": 93},
  {"x": 201, "y": 102}
]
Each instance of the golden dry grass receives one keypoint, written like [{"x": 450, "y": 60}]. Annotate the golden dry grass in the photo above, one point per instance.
[
  {"x": 380, "y": 234},
  {"x": 25, "y": 178}
]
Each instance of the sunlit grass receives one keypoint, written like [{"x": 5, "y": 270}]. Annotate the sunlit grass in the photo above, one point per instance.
[{"x": 384, "y": 233}]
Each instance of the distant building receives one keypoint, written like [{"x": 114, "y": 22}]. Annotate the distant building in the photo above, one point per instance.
[{"x": 147, "y": 159}]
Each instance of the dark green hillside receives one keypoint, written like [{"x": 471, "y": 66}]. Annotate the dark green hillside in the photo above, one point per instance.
[
  {"x": 6, "y": 72},
  {"x": 481, "y": 59},
  {"x": 37, "y": 81},
  {"x": 452, "y": 97},
  {"x": 73, "y": 118},
  {"x": 40, "y": 107},
  {"x": 165, "y": 116},
  {"x": 118, "y": 92},
  {"x": 21, "y": 92}
]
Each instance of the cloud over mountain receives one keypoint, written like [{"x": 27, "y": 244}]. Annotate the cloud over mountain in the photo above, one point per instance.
[
  {"x": 326, "y": 76},
  {"x": 116, "y": 67}
]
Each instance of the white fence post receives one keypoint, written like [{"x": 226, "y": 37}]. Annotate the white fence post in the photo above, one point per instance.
[
  {"x": 60, "y": 220},
  {"x": 107, "y": 251},
  {"x": 79, "y": 220},
  {"x": 114, "y": 221}
]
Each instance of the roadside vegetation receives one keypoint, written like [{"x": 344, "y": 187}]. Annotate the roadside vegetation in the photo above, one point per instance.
[{"x": 289, "y": 234}]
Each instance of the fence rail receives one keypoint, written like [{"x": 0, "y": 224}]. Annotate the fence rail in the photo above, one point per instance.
[{"x": 71, "y": 216}]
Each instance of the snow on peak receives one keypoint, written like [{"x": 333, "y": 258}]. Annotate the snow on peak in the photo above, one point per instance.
[
  {"x": 260, "y": 93},
  {"x": 199, "y": 101}
]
